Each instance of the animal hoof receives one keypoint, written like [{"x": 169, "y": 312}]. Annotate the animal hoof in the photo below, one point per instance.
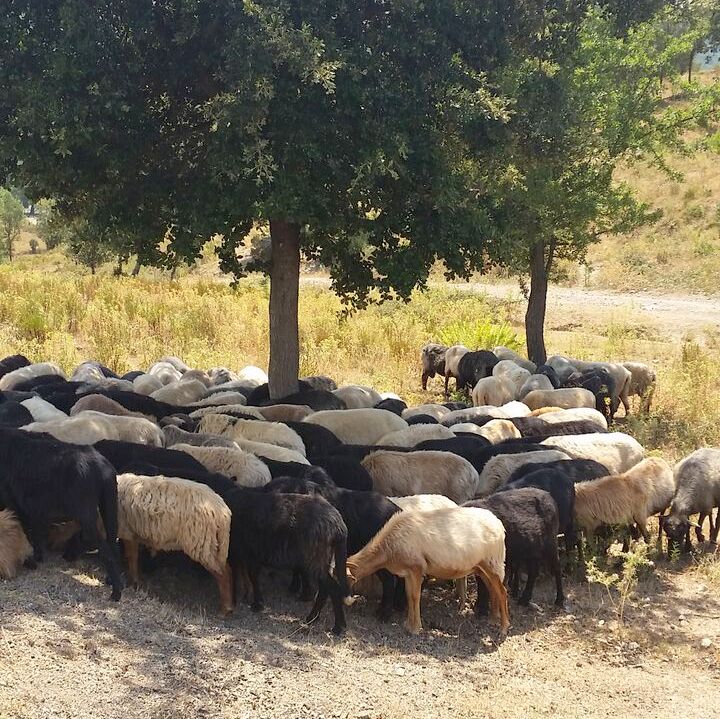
[
  {"x": 339, "y": 630},
  {"x": 30, "y": 563},
  {"x": 115, "y": 596}
]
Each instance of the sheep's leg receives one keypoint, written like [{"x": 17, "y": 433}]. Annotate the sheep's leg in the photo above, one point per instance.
[
  {"x": 698, "y": 530},
  {"x": 556, "y": 571},
  {"x": 36, "y": 531},
  {"x": 253, "y": 572},
  {"x": 413, "y": 590},
  {"x": 514, "y": 582},
  {"x": 688, "y": 543},
  {"x": 320, "y": 600},
  {"x": 530, "y": 584},
  {"x": 714, "y": 527},
  {"x": 447, "y": 380},
  {"x": 424, "y": 380},
  {"x": 482, "y": 602},
  {"x": 73, "y": 547},
  {"x": 106, "y": 552},
  {"x": 400, "y": 599},
  {"x": 296, "y": 583},
  {"x": 225, "y": 583},
  {"x": 385, "y": 609},
  {"x": 132, "y": 557},
  {"x": 498, "y": 595},
  {"x": 336, "y": 597},
  {"x": 642, "y": 527},
  {"x": 461, "y": 591}
]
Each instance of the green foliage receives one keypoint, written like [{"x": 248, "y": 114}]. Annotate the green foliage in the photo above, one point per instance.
[
  {"x": 88, "y": 245},
  {"x": 11, "y": 219},
  {"x": 480, "y": 335}
]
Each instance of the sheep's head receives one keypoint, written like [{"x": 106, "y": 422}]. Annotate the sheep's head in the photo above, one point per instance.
[{"x": 675, "y": 527}]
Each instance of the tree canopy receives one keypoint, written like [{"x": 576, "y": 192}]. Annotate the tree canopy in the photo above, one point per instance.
[{"x": 11, "y": 219}]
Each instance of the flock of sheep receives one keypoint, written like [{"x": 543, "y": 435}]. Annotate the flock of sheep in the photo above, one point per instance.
[{"x": 348, "y": 490}]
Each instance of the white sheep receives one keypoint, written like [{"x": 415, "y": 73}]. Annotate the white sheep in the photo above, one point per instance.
[
  {"x": 453, "y": 355},
  {"x": 642, "y": 383},
  {"x": 515, "y": 409},
  {"x": 445, "y": 543},
  {"x": 566, "y": 398},
  {"x": 14, "y": 378},
  {"x": 512, "y": 375},
  {"x": 217, "y": 399},
  {"x": 198, "y": 375},
  {"x": 170, "y": 514},
  {"x": 436, "y": 411},
  {"x": 535, "y": 382},
  {"x": 466, "y": 428},
  {"x": 498, "y": 469},
  {"x": 41, "y": 410},
  {"x": 175, "y": 362},
  {"x": 243, "y": 468},
  {"x": 268, "y": 432},
  {"x": 620, "y": 374},
  {"x": 357, "y": 396},
  {"x": 181, "y": 394},
  {"x": 165, "y": 372},
  {"x": 87, "y": 372},
  {"x": 423, "y": 502},
  {"x": 285, "y": 412},
  {"x": 493, "y": 391},
  {"x": 505, "y": 353},
  {"x": 499, "y": 430},
  {"x": 252, "y": 376},
  {"x": 415, "y": 434},
  {"x": 617, "y": 451},
  {"x": 14, "y": 545},
  {"x": 400, "y": 474},
  {"x": 90, "y": 427},
  {"x": 224, "y": 413},
  {"x": 146, "y": 384},
  {"x": 575, "y": 414},
  {"x": 105, "y": 405},
  {"x": 358, "y": 426},
  {"x": 271, "y": 451}
]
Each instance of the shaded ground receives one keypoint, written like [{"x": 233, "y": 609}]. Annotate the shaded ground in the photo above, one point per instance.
[{"x": 67, "y": 651}]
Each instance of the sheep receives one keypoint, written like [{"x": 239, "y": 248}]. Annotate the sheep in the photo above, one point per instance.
[
  {"x": 266, "y": 432},
  {"x": 492, "y": 391},
  {"x": 585, "y": 414},
  {"x": 620, "y": 374},
  {"x": 14, "y": 415},
  {"x": 89, "y": 372},
  {"x": 602, "y": 384},
  {"x": 547, "y": 410},
  {"x": 561, "y": 366},
  {"x": 436, "y": 411},
  {"x": 576, "y": 470},
  {"x": 423, "y": 502},
  {"x": 221, "y": 375},
  {"x": 473, "y": 366},
  {"x": 290, "y": 531},
  {"x": 535, "y": 382},
  {"x": 171, "y": 514},
  {"x": 631, "y": 497},
  {"x": 13, "y": 362},
  {"x": 358, "y": 397},
  {"x": 225, "y": 413},
  {"x": 243, "y": 468},
  {"x": 468, "y": 428},
  {"x": 316, "y": 399},
  {"x": 512, "y": 376},
  {"x": 453, "y": 355},
  {"x": 414, "y": 435},
  {"x": 531, "y": 522},
  {"x": 398, "y": 474},
  {"x": 358, "y": 426},
  {"x": 318, "y": 440},
  {"x": 432, "y": 359},
  {"x": 515, "y": 409},
  {"x": 538, "y": 427},
  {"x": 260, "y": 395},
  {"x": 364, "y": 514},
  {"x": 499, "y": 430},
  {"x": 165, "y": 372},
  {"x": 41, "y": 410},
  {"x": 252, "y": 375},
  {"x": 697, "y": 481},
  {"x": 500, "y": 468},
  {"x": 391, "y": 404},
  {"x": 505, "y": 353},
  {"x": 551, "y": 374},
  {"x": 421, "y": 419},
  {"x": 471, "y": 413},
  {"x": 320, "y": 382},
  {"x": 285, "y": 412},
  {"x": 444, "y": 543},
  {"x": 14, "y": 546},
  {"x": 271, "y": 451},
  {"x": 566, "y": 398},
  {"x": 15, "y": 377},
  {"x": 617, "y": 451},
  {"x": 171, "y": 463},
  {"x": 199, "y": 376},
  {"x": 181, "y": 394},
  {"x": 221, "y": 398},
  {"x": 175, "y": 362},
  {"x": 642, "y": 383},
  {"x": 104, "y": 405},
  {"x": 139, "y": 403},
  {"x": 346, "y": 472},
  {"x": 146, "y": 384},
  {"x": 44, "y": 480},
  {"x": 174, "y": 435}
]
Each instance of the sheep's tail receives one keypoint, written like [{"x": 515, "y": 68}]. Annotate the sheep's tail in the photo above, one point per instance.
[{"x": 341, "y": 565}]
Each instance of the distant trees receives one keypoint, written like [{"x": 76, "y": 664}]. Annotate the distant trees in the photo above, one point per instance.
[{"x": 11, "y": 219}]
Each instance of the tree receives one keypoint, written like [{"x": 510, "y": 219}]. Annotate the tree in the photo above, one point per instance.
[
  {"x": 343, "y": 126},
  {"x": 88, "y": 245},
  {"x": 11, "y": 219},
  {"x": 587, "y": 97}
]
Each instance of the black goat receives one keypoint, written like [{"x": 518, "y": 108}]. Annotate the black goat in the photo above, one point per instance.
[
  {"x": 432, "y": 358},
  {"x": 474, "y": 366},
  {"x": 578, "y": 470}
]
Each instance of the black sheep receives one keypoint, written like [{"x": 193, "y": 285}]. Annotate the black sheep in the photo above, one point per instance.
[
  {"x": 36, "y": 383},
  {"x": 14, "y": 415},
  {"x": 396, "y": 406},
  {"x": 318, "y": 440},
  {"x": 551, "y": 374},
  {"x": 364, "y": 514},
  {"x": 531, "y": 522},
  {"x": 133, "y": 375},
  {"x": 474, "y": 366},
  {"x": 454, "y": 406},
  {"x": 603, "y": 386},
  {"x": 432, "y": 358},
  {"x": 127, "y": 454},
  {"x": 578, "y": 470},
  {"x": 11, "y": 363},
  {"x": 261, "y": 394},
  {"x": 538, "y": 428},
  {"x": 44, "y": 480},
  {"x": 422, "y": 419},
  {"x": 289, "y": 531},
  {"x": 346, "y": 472},
  {"x": 140, "y": 403}
]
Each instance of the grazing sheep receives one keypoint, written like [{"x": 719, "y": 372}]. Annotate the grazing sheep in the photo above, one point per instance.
[
  {"x": 221, "y": 398},
  {"x": 172, "y": 514},
  {"x": 175, "y": 362},
  {"x": 358, "y": 426},
  {"x": 500, "y": 468},
  {"x": 453, "y": 355},
  {"x": 104, "y": 405},
  {"x": 226, "y": 413},
  {"x": 473, "y": 366},
  {"x": 290, "y": 531},
  {"x": 14, "y": 415},
  {"x": 165, "y": 372},
  {"x": 566, "y": 398},
  {"x": 320, "y": 382},
  {"x": 423, "y": 502},
  {"x": 551, "y": 374},
  {"x": 392, "y": 404},
  {"x": 346, "y": 472},
  {"x": 41, "y": 410},
  {"x": 146, "y": 384},
  {"x": 199, "y": 376},
  {"x": 585, "y": 414},
  {"x": 472, "y": 413},
  {"x": 468, "y": 428},
  {"x": 181, "y": 394},
  {"x": 318, "y": 440},
  {"x": 123, "y": 455},
  {"x": 576, "y": 470},
  {"x": 512, "y": 376},
  {"x": 89, "y": 372},
  {"x": 11, "y": 363},
  {"x": 421, "y": 419},
  {"x": 415, "y": 434},
  {"x": 285, "y": 412},
  {"x": 546, "y": 410},
  {"x": 493, "y": 391},
  {"x": 436, "y": 411},
  {"x": 14, "y": 546},
  {"x": 537, "y": 427},
  {"x": 221, "y": 375},
  {"x": 243, "y": 468},
  {"x": 561, "y": 366},
  {"x": 270, "y": 451},
  {"x": 620, "y": 374},
  {"x": 44, "y": 480},
  {"x": 358, "y": 397},
  {"x": 252, "y": 375},
  {"x": 697, "y": 481},
  {"x": 515, "y": 409},
  {"x": 399, "y": 474},
  {"x": 175, "y": 435},
  {"x": 266, "y": 432},
  {"x": 499, "y": 430},
  {"x": 602, "y": 384},
  {"x": 12, "y": 379},
  {"x": 432, "y": 359},
  {"x": 617, "y": 451},
  {"x": 139, "y": 403},
  {"x": 531, "y": 522},
  {"x": 535, "y": 382},
  {"x": 645, "y": 489},
  {"x": 505, "y": 353},
  {"x": 444, "y": 543},
  {"x": 642, "y": 383}
]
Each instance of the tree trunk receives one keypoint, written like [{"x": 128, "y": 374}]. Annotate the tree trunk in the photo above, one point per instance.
[
  {"x": 537, "y": 302},
  {"x": 284, "y": 282},
  {"x": 690, "y": 64},
  {"x": 9, "y": 247},
  {"x": 136, "y": 269}
]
